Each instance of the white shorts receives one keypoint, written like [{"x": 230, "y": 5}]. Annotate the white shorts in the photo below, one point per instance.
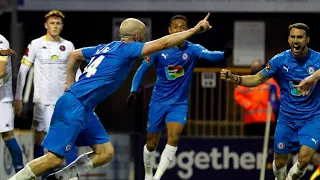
[
  {"x": 6, "y": 117},
  {"x": 42, "y": 117}
]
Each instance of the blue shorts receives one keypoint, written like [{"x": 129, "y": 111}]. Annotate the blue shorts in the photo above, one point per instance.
[
  {"x": 289, "y": 136},
  {"x": 72, "y": 124},
  {"x": 159, "y": 115}
]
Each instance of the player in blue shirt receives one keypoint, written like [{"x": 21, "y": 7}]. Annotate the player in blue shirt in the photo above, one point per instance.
[
  {"x": 169, "y": 103},
  {"x": 298, "y": 122},
  {"x": 73, "y": 120}
]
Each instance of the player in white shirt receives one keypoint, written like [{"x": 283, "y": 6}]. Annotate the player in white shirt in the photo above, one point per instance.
[
  {"x": 49, "y": 55},
  {"x": 6, "y": 108}
]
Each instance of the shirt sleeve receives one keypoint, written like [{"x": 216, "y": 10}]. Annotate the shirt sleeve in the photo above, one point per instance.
[
  {"x": 30, "y": 54},
  {"x": 145, "y": 65},
  {"x": 272, "y": 67},
  {"x": 203, "y": 53},
  {"x": 4, "y": 45},
  {"x": 88, "y": 52},
  {"x": 133, "y": 50}
]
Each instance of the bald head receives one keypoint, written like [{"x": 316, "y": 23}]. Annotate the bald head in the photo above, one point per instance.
[{"x": 133, "y": 29}]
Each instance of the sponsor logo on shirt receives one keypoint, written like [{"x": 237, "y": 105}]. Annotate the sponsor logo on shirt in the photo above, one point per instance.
[{"x": 173, "y": 72}]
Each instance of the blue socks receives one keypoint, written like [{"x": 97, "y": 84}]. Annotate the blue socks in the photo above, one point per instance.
[
  {"x": 38, "y": 151},
  {"x": 16, "y": 153}
]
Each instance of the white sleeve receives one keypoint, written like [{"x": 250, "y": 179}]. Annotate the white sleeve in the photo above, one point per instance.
[
  {"x": 30, "y": 54},
  {"x": 26, "y": 62},
  {"x": 21, "y": 80},
  {"x": 4, "y": 59},
  {"x": 4, "y": 45}
]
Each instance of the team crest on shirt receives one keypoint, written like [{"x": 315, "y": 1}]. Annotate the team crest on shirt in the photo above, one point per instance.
[
  {"x": 268, "y": 67},
  {"x": 27, "y": 52},
  {"x": 310, "y": 70},
  {"x": 184, "y": 56},
  {"x": 68, "y": 147},
  {"x": 281, "y": 145},
  {"x": 62, "y": 48},
  {"x": 147, "y": 59}
]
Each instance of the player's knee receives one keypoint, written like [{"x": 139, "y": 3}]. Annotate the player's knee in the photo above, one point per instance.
[
  {"x": 107, "y": 156},
  {"x": 105, "y": 153},
  {"x": 7, "y": 135}
]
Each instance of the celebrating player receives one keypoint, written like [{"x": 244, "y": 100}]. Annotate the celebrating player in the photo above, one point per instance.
[
  {"x": 169, "y": 103},
  {"x": 298, "y": 122},
  {"x": 73, "y": 120}
]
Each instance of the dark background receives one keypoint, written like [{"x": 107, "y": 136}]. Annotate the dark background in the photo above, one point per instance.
[{"x": 92, "y": 28}]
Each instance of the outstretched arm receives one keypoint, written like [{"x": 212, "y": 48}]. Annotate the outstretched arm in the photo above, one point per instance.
[
  {"x": 211, "y": 55},
  {"x": 247, "y": 80},
  {"x": 174, "y": 39}
]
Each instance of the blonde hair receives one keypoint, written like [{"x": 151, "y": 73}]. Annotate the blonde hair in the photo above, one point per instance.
[{"x": 54, "y": 13}]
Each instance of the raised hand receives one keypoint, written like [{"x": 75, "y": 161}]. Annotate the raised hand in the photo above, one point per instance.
[
  {"x": 225, "y": 74},
  {"x": 306, "y": 85},
  {"x": 203, "y": 25}
]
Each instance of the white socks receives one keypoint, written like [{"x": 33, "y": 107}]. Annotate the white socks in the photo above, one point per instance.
[
  {"x": 81, "y": 165},
  {"x": 24, "y": 174},
  {"x": 280, "y": 173},
  {"x": 296, "y": 172},
  {"x": 148, "y": 162},
  {"x": 166, "y": 158}
]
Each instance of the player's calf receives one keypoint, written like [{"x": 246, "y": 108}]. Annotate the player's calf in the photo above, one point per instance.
[
  {"x": 102, "y": 153},
  {"x": 153, "y": 141},
  {"x": 279, "y": 166},
  {"x": 300, "y": 167},
  {"x": 149, "y": 152}
]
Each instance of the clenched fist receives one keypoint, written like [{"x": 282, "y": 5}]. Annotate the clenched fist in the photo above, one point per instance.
[{"x": 225, "y": 74}]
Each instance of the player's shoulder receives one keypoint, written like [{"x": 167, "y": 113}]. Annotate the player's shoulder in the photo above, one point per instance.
[
  {"x": 3, "y": 39},
  {"x": 4, "y": 43},
  {"x": 124, "y": 44},
  {"x": 313, "y": 52},
  {"x": 37, "y": 41},
  {"x": 67, "y": 42},
  {"x": 283, "y": 55}
]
